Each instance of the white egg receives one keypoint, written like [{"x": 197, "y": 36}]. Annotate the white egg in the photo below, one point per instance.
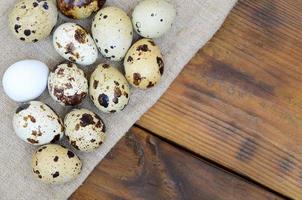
[
  {"x": 75, "y": 44},
  {"x": 25, "y": 80},
  {"x": 112, "y": 32},
  {"x": 153, "y": 18}
]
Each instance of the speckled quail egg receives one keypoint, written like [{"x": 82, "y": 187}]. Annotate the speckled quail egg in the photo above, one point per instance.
[
  {"x": 84, "y": 129},
  {"x": 112, "y": 32},
  {"x": 153, "y": 18},
  {"x": 108, "y": 89},
  {"x": 37, "y": 124},
  {"x": 79, "y": 9},
  {"x": 16, "y": 78},
  {"x": 55, "y": 164},
  {"x": 75, "y": 44},
  {"x": 33, "y": 20},
  {"x": 144, "y": 64},
  {"x": 67, "y": 84}
]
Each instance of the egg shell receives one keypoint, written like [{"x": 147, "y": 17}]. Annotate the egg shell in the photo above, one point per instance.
[
  {"x": 84, "y": 129},
  {"x": 75, "y": 44},
  {"x": 32, "y": 20},
  {"x": 153, "y": 18},
  {"x": 55, "y": 164},
  {"x": 79, "y": 9},
  {"x": 36, "y": 123},
  {"x": 144, "y": 64},
  {"x": 112, "y": 32},
  {"x": 108, "y": 89},
  {"x": 67, "y": 84},
  {"x": 25, "y": 80}
]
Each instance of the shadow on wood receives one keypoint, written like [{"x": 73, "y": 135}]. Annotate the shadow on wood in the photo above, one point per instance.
[{"x": 142, "y": 166}]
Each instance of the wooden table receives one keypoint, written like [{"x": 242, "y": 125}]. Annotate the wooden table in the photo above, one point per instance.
[{"x": 229, "y": 127}]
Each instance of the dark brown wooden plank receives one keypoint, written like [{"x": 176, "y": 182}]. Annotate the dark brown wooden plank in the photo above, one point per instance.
[
  {"x": 239, "y": 101},
  {"x": 142, "y": 166}
]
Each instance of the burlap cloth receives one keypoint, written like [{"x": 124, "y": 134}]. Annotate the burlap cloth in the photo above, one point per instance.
[{"x": 196, "y": 23}]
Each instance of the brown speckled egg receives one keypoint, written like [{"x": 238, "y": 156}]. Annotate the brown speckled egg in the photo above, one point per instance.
[
  {"x": 75, "y": 44},
  {"x": 109, "y": 89},
  {"x": 79, "y": 9},
  {"x": 37, "y": 124},
  {"x": 33, "y": 20},
  {"x": 55, "y": 164},
  {"x": 153, "y": 18},
  {"x": 85, "y": 130},
  {"x": 67, "y": 84},
  {"x": 112, "y": 32},
  {"x": 144, "y": 64}
]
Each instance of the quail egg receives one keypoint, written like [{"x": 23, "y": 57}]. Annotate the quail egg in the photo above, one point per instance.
[
  {"x": 37, "y": 124},
  {"x": 84, "y": 129},
  {"x": 33, "y": 20},
  {"x": 112, "y": 32},
  {"x": 79, "y": 9},
  {"x": 67, "y": 84},
  {"x": 153, "y": 18},
  {"x": 55, "y": 164},
  {"x": 75, "y": 44},
  {"x": 144, "y": 64},
  {"x": 108, "y": 89}
]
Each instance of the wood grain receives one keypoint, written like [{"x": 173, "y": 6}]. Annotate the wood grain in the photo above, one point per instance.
[
  {"x": 239, "y": 101},
  {"x": 142, "y": 166}
]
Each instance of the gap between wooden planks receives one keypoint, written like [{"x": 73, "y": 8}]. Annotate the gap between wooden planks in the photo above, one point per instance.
[
  {"x": 142, "y": 166},
  {"x": 239, "y": 101}
]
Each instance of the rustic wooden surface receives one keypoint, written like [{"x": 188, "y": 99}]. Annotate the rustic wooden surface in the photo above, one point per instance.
[
  {"x": 239, "y": 101},
  {"x": 142, "y": 166}
]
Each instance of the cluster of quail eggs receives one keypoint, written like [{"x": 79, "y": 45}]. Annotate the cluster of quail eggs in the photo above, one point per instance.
[{"x": 112, "y": 35}]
